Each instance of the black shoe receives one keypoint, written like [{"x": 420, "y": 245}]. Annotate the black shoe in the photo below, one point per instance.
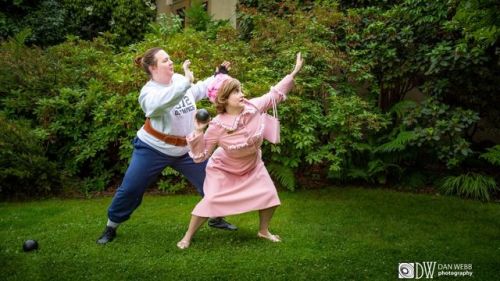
[
  {"x": 107, "y": 236},
  {"x": 221, "y": 223}
]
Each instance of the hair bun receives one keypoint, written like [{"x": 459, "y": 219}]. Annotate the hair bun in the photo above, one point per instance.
[{"x": 138, "y": 61}]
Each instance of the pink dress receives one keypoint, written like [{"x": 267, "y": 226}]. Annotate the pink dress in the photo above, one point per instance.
[{"x": 237, "y": 180}]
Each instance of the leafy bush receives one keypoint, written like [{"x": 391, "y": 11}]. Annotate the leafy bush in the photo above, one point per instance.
[
  {"x": 165, "y": 25},
  {"x": 57, "y": 89},
  {"x": 344, "y": 121},
  {"x": 130, "y": 20},
  {"x": 492, "y": 155},
  {"x": 51, "y": 21},
  {"x": 481, "y": 20},
  {"x": 172, "y": 181},
  {"x": 24, "y": 167},
  {"x": 48, "y": 23},
  {"x": 196, "y": 16},
  {"x": 432, "y": 128}
]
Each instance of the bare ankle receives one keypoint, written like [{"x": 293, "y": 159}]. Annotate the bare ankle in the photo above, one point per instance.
[{"x": 264, "y": 231}]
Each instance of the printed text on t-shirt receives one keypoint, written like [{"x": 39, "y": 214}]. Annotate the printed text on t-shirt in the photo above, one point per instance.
[{"x": 184, "y": 106}]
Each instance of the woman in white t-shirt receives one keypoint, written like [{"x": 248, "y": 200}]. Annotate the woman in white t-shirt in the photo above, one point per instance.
[{"x": 168, "y": 100}]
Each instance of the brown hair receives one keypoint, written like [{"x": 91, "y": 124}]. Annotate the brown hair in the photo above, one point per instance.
[
  {"x": 147, "y": 59},
  {"x": 223, "y": 93}
]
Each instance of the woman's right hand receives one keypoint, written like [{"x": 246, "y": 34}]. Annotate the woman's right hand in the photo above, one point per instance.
[{"x": 187, "y": 72}]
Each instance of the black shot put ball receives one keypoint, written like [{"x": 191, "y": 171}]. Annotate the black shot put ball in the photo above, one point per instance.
[
  {"x": 30, "y": 245},
  {"x": 202, "y": 115}
]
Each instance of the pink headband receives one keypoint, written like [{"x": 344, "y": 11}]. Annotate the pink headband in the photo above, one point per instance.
[{"x": 215, "y": 85}]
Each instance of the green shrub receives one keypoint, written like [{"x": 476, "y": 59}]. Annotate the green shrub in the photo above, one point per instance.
[
  {"x": 130, "y": 20},
  {"x": 284, "y": 175},
  {"x": 432, "y": 130},
  {"x": 48, "y": 23},
  {"x": 165, "y": 25},
  {"x": 25, "y": 170},
  {"x": 492, "y": 155},
  {"x": 172, "y": 181},
  {"x": 24, "y": 74},
  {"x": 51, "y": 21},
  {"x": 196, "y": 16},
  {"x": 82, "y": 95},
  {"x": 470, "y": 185}
]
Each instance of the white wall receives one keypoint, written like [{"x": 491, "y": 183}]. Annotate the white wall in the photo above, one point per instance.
[{"x": 223, "y": 9}]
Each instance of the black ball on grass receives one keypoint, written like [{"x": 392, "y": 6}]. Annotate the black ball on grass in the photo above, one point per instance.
[
  {"x": 202, "y": 115},
  {"x": 30, "y": 245}
]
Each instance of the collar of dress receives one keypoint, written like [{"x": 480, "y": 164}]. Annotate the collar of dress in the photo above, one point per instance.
[{"x": 227, "y": 122}]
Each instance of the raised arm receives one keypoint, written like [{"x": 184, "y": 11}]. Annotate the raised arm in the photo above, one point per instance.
[
  {"x": 200, "y": 89},
  {"x": 203, "y": 88},
  {"x": 156, "y": 98},
  {"x": 280, "y": 90}
]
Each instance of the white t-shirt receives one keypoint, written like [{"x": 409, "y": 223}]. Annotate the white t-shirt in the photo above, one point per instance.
[{"x": 171, "y": 109}]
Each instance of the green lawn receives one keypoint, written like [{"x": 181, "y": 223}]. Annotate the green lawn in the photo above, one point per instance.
[{"x": 330, "y": 234}]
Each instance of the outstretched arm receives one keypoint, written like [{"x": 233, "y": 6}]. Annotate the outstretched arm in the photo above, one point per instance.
[{"x": 280, "y": 90}]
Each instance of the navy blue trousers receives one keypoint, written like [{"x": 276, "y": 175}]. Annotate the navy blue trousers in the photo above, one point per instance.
[{"x": 145, "y": 166}]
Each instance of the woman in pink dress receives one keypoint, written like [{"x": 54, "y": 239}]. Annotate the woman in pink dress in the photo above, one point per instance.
[{"x": 236, "y": 179}]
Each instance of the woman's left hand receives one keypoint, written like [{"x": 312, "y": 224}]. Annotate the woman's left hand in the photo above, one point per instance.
[
  {"x": 199, "y": 127},
  {"x": 223, "y": 68},
  {"x": 298, "y": 64}
]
